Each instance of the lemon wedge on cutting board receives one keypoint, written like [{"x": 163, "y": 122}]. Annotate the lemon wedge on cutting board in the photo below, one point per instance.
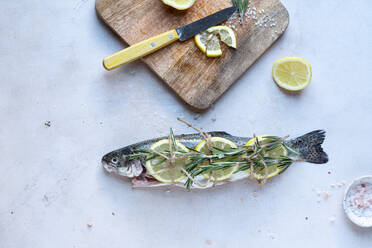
[
  {"x": 209, "y": 41},
  {"x": 213, "y": 47},
  {"x": 226, "y": 34},
  {"x": 158, "y": 167},
  {"x": 223, "y": 144},
  {"x": 292, "y": 73},
  {"x": 277, "y": 152},
  {"x": 179, "y": 4}
]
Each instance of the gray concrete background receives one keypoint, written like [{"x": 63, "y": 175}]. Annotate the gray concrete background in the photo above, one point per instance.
[{"x": 52, "y": 182}]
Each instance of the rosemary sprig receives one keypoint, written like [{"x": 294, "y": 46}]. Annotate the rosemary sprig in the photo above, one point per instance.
[
  {"x": 241, "y": 6},
  {"x": 233, "y": 157},
  {"x": 173, "y": 140},
  {"x": 291, "y": 149},
  {"x": 217, "y": 159}
]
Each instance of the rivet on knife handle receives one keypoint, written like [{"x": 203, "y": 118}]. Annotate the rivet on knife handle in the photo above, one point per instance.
[{"x": 140, "y": 50}]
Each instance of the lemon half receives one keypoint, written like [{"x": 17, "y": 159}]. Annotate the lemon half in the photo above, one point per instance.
[
  {"x": 179, "y": 4},
  {"x": 292, "y": 73}
]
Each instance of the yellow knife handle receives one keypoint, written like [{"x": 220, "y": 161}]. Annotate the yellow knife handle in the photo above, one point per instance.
[{"x": 140, "y": 50}]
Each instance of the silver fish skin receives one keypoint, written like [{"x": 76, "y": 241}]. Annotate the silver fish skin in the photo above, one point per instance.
[{"x": 117, "y": 162}]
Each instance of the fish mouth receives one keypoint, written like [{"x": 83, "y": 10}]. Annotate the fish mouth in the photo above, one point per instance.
[
  {"x": 133, "y": 169},
  {"x": 109, "y": 168}
]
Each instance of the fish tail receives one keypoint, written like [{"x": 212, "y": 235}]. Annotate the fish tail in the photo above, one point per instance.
[{"x": 310, "y": 147}]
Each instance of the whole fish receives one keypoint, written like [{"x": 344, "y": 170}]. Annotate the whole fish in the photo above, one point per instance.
[{"x": 308, "y": 148}]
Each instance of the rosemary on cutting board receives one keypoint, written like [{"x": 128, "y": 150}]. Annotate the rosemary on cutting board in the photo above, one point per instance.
[{"x": 241, "y": 6}]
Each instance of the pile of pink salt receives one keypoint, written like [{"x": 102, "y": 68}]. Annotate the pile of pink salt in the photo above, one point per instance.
[{"x": 359, "y": 199}]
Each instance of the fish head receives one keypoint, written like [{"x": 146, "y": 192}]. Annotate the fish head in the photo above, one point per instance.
[{"x": 118, "y": 162}]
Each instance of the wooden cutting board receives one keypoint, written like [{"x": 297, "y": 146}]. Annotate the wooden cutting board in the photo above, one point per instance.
[{"x": 198, "y": 80}]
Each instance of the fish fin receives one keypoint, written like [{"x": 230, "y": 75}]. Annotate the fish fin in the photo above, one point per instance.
[
  {"x": 310, "y": 147},
  {"x": 218, "y": 134}
]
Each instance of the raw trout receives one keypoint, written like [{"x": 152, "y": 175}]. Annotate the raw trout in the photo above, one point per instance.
[{"x": 305, "y": 148}]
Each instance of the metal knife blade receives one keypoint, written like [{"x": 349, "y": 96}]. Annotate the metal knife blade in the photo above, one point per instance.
[{"x": 190, "y": 30}]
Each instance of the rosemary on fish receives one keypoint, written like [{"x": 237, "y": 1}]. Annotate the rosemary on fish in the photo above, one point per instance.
[{"x": 244, "y": 157}]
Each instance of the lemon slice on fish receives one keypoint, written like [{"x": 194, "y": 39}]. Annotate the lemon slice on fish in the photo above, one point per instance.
[
  {"x": 220, "y": 143},
  {"x": 209, "y": 41},
  {"x": 159, "y": 167},
  {"x": 179, "y": 4},
  {"x": 292, "y": 73},
  {"x": 275, "y": 153}
]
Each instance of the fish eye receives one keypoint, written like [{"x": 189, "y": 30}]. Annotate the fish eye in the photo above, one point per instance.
[{"x": 114, "y": 160}]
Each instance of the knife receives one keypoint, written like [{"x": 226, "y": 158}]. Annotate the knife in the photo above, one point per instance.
[{"x": 155, "y": 43}]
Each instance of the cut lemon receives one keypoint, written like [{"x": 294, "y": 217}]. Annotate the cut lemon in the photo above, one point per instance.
[
  {"x": 275, "y": 153},
  {"x": 179, "y": 4},
  {"x": 292, "y": 73},
  {"x": 226, "y": 34},
  {"x": 202, "y": 39},
  {"x": 159, "y": 167},
  {"x": 209, "y": 41},
  {"x": 213, "y": 47},
  {"x": 220, "y": 143}
]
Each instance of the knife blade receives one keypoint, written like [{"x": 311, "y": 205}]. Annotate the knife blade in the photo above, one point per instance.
[
  {"x": 155, "y": 43},
  {"x": 190, "y": 30}
]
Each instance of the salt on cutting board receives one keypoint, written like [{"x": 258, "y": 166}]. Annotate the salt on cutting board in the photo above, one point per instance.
[{"x": 198, "y": 80}]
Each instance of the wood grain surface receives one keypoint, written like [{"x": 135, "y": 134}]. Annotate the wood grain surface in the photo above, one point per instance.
[{"x": 197, "y": 79}]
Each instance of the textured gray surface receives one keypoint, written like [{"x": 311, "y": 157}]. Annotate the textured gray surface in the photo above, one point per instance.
[{"x": 51, "y": 181}]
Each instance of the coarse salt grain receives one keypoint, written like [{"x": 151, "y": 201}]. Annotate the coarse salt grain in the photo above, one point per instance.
[
  {"x": 325, "y": 195},
  {"x": 332, "y": 219}
]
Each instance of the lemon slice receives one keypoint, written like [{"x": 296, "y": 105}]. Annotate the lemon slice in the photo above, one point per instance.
[
  {"x": 213, "y": 47},
  {"x": 292, "y": 73},
  {"x": 157, "y": 166},
  {"x": 221, "y": 143},
  {"x": 226, "y": 34},
  {"x": 202, "y": 39},
  {"x": 209, "y": 41},
  {"x": 275, "y": 153},
  {"x": 179, "y": 4}
]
